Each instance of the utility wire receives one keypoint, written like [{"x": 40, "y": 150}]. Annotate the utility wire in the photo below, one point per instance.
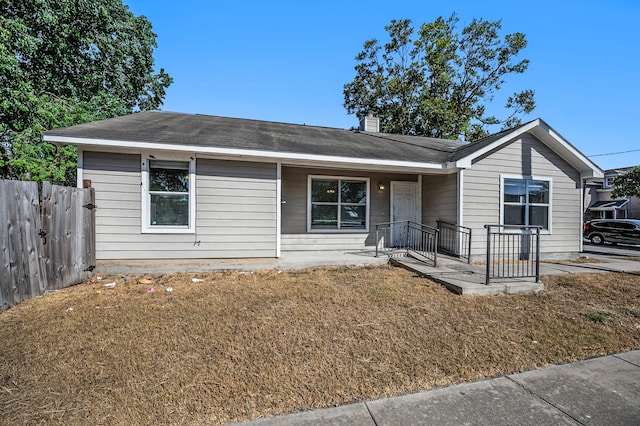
[{"x": 614, "y": 153}]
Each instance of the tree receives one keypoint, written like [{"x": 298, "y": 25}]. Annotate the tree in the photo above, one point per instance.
[
  {"x": 627, "y": 184},
  {"x": 67, "y": 62},
  {"x": 436, "y": 83}
]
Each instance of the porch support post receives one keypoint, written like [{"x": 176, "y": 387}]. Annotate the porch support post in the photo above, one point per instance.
[
  {"x": 419, "y": 196},
  {"x": 460, "y": 197},
  {"x": 278, "y": 207},
  {"x": 582, "y": 208},
  {"x": 460, "y": 213}
]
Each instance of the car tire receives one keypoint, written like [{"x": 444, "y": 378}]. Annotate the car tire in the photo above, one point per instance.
[{"x": 597, "y": 239}]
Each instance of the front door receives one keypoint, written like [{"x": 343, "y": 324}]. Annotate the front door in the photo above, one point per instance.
[{"x": 404, "y": 207}]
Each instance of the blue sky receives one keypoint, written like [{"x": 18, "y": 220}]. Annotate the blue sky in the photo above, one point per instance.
[{"x": 288, "y": 61}]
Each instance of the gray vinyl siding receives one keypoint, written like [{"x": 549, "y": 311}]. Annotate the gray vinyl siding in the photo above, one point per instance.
[
  {"x": 116, "y": 179},
  {"x": 294, "y": 210},
  {"x": 524, "y": 157},
  {"x": 235, "y": 211},
  {"x": 236, "y": 208},
  {"x": 439, "y": 198}
]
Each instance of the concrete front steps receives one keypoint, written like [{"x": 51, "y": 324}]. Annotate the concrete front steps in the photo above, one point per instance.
[{"x": 464, "y": 279}]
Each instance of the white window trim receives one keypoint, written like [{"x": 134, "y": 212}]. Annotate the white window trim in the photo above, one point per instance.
[
  {"x": 606, "y": 183},
  {"x": 338, "y": 231},
  {"x": 547, "y": 231},
  {"x": 146, "y": 197}
]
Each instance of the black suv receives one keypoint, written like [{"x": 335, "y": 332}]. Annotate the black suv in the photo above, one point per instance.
[{"x": 626, "y": 231}]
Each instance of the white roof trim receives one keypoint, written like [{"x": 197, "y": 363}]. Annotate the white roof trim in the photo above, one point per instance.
[
  {"x": 285, "y": 157},
  {"x": 466, "y": 161},
  {"x": 548, "y": 136}
]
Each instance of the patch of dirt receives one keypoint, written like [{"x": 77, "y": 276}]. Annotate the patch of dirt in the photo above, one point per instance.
[{"x": 236, "y": 346}]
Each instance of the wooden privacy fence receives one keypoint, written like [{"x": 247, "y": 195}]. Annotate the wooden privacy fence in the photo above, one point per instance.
[{"x": 47, "y": 238}]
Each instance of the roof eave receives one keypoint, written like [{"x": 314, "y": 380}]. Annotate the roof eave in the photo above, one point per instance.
[
  {"x": 549, "y": 137},
  {"x": 287, "y": 158},
  {"x": 568, "y": 152}
]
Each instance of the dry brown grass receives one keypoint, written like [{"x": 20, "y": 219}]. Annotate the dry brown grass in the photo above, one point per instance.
[{"x": 243, "y": 345}]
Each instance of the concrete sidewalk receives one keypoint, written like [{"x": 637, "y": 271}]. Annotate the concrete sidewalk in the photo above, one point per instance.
[{"x": 599, "y": 391}]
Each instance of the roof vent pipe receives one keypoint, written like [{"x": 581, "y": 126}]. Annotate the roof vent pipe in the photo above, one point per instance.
[{"x": 370, "y": 123}]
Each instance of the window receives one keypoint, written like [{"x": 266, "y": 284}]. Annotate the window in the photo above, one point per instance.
[
  {"x": 526, "y": 201},
  {"x": 338, "y": 204},
  {"x": 168, "y": 201},
  {"x": 608, "y": 181}
]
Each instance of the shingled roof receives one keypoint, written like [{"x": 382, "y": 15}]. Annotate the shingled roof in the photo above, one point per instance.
[
  {"x": 297, "y": 143},
  {"x": 204, "y": 131}
]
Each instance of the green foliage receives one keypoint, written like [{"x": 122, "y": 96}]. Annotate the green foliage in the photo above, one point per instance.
[
  {"x": 627, "y": 184},
  {"x": 436, "y": 82},
  {"x": 68, "y": 62},
  {"x": 600, "y": 317},
  {"x": 631, "y": 311}
]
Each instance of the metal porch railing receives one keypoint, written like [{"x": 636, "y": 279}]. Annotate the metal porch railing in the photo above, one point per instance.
[
  {"x": 512, "y": 252},
  {"x": 405, "y": 237},
  {"x": 454, "y": 240}
]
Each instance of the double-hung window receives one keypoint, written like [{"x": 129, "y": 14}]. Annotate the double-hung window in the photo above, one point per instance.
[
  {"x": 526, "y": 201},
  {"x": 168, "y": 196},
  {"x": 338, "y": 204}
]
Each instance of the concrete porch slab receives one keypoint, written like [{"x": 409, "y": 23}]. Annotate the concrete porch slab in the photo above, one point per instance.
[{"x": 287, "y": 260}]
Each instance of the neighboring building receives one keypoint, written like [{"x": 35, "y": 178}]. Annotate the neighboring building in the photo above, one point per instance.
[
  {"x": 599, "y": 203},
  {"x": 185, "y": 186}
]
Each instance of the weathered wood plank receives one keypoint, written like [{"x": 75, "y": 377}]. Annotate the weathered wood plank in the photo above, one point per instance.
[
  {"x": 21, "y": 287},
  {"x": 6, "y": 276},
  {"x": 32, "y": 243},
  {"x": 59, "y": 222},
  {"x": 45, "y": 217}
]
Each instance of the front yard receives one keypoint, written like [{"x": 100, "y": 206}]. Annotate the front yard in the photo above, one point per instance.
[{"x": 235, "y": 346}]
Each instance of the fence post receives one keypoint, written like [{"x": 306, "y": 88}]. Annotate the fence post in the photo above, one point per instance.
[
  {"x": 406, "y": 240},
  {"x": 435, "y": 248},
  {"x": 537, "y": 254},
  {"x": 486, "y": 280}
]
